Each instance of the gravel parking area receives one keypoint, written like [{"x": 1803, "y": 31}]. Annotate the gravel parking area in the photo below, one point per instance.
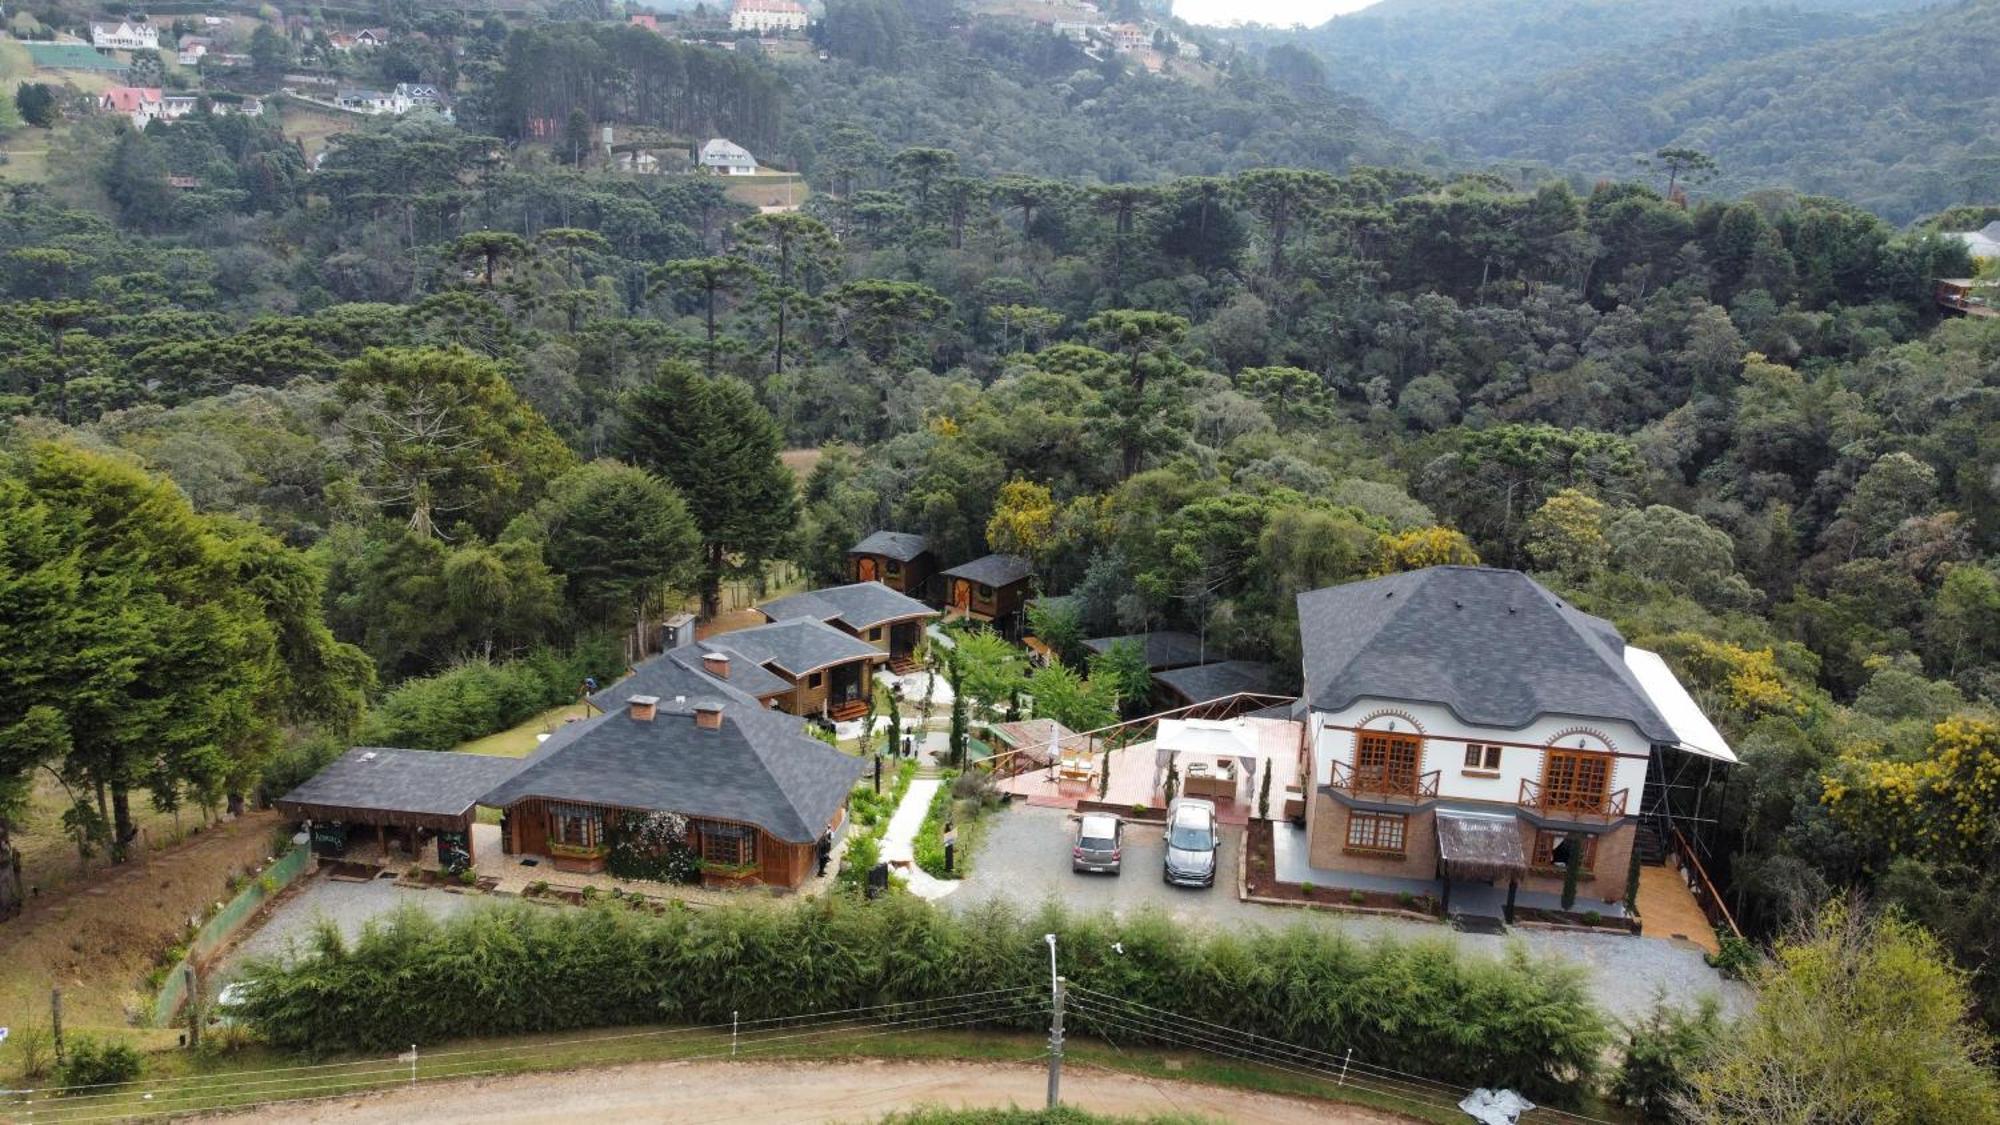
[
  {"x": 351, "y": 906},
  {"x": 1024, "y": 857}
]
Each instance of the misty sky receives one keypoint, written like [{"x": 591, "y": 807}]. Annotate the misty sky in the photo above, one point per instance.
[{"x": 1281, "y": 12}]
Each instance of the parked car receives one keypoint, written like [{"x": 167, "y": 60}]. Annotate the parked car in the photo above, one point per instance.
[
  {"x": 1191, "y": 843},
  {"x": 1100, "y": 839}
]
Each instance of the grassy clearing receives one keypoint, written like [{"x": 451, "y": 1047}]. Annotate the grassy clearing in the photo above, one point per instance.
[
  {"x": 520, "y": 741},
  {"x": 312, "y": 129},
  {"x": 185, "y": 1082}
]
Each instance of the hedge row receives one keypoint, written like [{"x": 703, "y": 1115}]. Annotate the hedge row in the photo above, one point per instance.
[
  {"x": 1420, "y": 1007},
  {"x": 479, "y": 697}
]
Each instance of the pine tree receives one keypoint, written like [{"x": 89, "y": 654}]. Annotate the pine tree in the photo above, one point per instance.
[
  {"x": 713, "y": 442},
  {"x": 1264, "y": 793}
]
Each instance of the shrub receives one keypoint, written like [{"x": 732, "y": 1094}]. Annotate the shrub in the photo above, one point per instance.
[
  {"x": 1406, "y": 900},
  {"x": 652, "y": 847},
  {"x": 33, "y": 1046},
  {"x": 1356, "y": 897},
  {"x": 1661, "y": 1052},
  {"x": 1592, "y": 918},
  {"x": 1512, "y": 1021},
  {"x": 479, "y": 697},
  {"x": 1737, "y": 957},
  {"x": 91, "y": 1062}
]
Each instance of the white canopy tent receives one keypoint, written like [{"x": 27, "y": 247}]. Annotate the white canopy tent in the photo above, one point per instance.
[{"x": 1210, "y": 740}]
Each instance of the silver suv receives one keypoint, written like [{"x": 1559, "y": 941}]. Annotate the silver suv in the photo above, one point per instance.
[
  {"x": 1191, "y": 843},
  {"x": 1099, "y": 843}
]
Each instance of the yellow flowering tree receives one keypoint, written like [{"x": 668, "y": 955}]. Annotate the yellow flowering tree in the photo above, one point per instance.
[
  {"x": 1422, "y": 547},
  {"x": 1944, "y": 805}
]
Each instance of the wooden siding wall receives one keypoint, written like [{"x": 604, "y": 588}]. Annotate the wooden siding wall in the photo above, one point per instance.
[{"x": 912, "y": 581}]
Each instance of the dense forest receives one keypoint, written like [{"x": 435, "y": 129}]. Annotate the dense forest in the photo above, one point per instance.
[
  {"x": 449, "y": 399},
  {"x": 1885, "y": 103}
]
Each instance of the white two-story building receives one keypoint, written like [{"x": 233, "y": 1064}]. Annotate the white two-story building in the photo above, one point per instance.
[
  {"x": 1463, "y": 722},
  {"x": 124, "y": 36}
]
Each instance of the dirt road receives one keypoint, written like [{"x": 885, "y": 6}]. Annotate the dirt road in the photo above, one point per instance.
[{"x": 801, "y": 1092}]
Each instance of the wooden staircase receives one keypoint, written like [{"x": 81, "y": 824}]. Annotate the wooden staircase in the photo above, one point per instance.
[
  {"x": 847, "y": 712},
  {"x": 904, "y": 665}
]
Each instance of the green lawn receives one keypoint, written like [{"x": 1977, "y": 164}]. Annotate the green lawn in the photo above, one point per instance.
[{"x": 518, "y": 742}]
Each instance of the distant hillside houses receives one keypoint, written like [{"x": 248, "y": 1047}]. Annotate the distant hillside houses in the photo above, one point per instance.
[
  {"x": 1982, "y": 244},
  {"x": 723, "y": 157},
  {"x": 124, "y": 36},
  {"x": 144, "y": 104},
  {"x": 766, "y": 16},
  {"x": 366, "y": 39},
  {"x": 401, "y": 100}
]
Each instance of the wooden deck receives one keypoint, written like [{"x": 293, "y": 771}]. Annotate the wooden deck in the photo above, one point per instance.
[{"x": 1669, "y": 910}]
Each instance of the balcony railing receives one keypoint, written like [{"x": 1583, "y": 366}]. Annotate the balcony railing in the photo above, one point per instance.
[
  {"x": 1385, "y": 784},
  {"x": 1571, "y": 805}
]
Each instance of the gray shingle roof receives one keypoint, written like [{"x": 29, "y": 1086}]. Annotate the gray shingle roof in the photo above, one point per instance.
[
  {"x": 1493, "y": 646},
  {"x": 430, "y": 783},
  {"x": 860, "y": 605},
  {"x": 678, "y": 674},
  {"x": 758, "y": 768},
  {"x": 1163, "y": 649},
  {"x": 993, "y": 570},
  {"x": 798, "y": 646},
  {"x": 1219, "y": 680},
  {"x": 902, "y": 546}
]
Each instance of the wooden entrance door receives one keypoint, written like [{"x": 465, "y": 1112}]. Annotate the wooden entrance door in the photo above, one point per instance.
[
  {"x": 961, "y": 594},
  {"x": 1387, "y": 763},
  {"x": 864, "y": 569}
]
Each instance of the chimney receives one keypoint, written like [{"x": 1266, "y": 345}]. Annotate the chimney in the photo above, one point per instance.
[
  {"x": 708, "y": 714},
  {"x": 643, "y": 707},
  {"x": 716, "y": 664}
]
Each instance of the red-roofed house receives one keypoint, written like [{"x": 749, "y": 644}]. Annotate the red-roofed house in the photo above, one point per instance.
[{"x": 139, "y": 103}]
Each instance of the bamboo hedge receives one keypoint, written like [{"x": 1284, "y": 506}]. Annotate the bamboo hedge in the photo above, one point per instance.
[{"x": 1420, "y": 1006}]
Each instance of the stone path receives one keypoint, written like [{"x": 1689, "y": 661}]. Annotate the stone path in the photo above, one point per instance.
[{"x": 899, "y": 840}]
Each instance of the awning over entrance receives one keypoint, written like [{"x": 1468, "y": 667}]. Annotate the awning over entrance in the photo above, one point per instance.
[
  {"x": 1484, "y": 849},
  {"x": 1697, "y": 735}
]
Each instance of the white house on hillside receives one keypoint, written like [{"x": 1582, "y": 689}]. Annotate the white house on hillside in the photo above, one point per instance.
[
  {"x": 1463, "y": 722},
  {"x": 124, "y": 36},
  {"x": 766, "y": 16},
  {"x": 725, "y": 158},
  {"x": 1983, "y": 243}
]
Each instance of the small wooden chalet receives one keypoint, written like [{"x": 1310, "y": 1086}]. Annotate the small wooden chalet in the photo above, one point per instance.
[
  {"x": 1163, "y": 650},
  {"x": 994, "y": 588},
  {"x": 890, "y": 621},
  {"x": 802, "y": 666},
  {"x": 758, "y": 794},
  {"x": 1206, "y": 683},
  {"x": 896, "y": 559},
  {"x": 410, "y": 795}
]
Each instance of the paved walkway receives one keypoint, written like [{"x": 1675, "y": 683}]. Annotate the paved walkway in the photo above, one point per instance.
[{"x": 900, "y": 838}]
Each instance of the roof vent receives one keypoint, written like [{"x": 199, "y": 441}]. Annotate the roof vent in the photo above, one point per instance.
[
  {"x": 643, "y": 707},
  {"x": 1456, "y": 604}
]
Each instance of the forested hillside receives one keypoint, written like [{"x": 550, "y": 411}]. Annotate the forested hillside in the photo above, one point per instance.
[
  {"x": 458, "y": 398},
  {"x": 1887, "y": 104},
  {"x": 1008, "y": 97}
]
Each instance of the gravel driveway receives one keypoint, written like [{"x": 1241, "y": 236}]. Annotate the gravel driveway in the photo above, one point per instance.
[
  {"x": 351, "y": 906},
  {"x": 1024, "y": 856}
]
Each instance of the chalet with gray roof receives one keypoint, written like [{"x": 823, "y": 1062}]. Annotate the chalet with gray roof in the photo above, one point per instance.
[
  {"x": 1162, "y": 650},
  {"x": 871, "y": 611},
  {"x": 1462, "y": 722},
  {"x": 897, "y": 559},
  {"x": 993, "y": 588},
  {"x": 1206, "y": 683},
  {"x": 407, "y": 792},
  {"x": 802, "y": 666},
  {"x": 758, "y": 794}
]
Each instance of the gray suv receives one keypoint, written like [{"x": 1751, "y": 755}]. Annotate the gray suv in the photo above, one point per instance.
[
  {"x": 1099, "y": 843},
  {"x": 1191, "y": 843}
]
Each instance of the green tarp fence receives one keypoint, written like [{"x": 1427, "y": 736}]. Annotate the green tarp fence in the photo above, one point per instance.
[{"x": 216, "y": 932}]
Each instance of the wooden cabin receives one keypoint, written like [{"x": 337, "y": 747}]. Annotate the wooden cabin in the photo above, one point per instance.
[
  {"x": 760, "y": 798},
  {"x": 870, "y": 611},
  {"x": 995, "y": 588},
  {"x": 897, "y": 559}
]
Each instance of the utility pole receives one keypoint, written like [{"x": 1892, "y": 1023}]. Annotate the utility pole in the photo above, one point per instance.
[
  {"x": 193, "y": 1005},
  {"x": 55, "y": 1019},
  {"x": 1055, "y": 1026}
]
